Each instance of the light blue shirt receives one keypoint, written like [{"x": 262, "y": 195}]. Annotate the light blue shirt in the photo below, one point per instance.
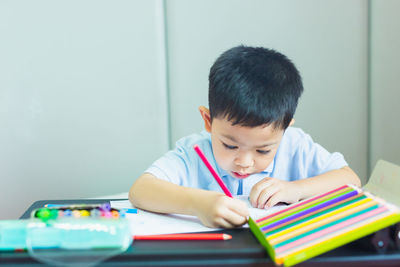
[{"x": 298, "y": 157}]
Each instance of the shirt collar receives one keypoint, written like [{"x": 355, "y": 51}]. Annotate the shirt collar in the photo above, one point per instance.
[
  {"x": 270, "y": 167},
  {"x": 221, "y": 171}
]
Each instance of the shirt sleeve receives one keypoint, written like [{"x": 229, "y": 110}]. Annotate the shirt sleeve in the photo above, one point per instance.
[
  {"x": 172, "y": 167},
  {"x": 316, "y": 159}
]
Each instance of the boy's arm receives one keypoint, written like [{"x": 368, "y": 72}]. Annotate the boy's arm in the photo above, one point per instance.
[
  {"x": 270, "y": 191},
  {"x": 327, "y": 181},
  {"x": 212, "y": 208}
]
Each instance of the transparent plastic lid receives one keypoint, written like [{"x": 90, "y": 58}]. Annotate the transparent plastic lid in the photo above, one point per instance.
[{"x": 72, "y": 242}]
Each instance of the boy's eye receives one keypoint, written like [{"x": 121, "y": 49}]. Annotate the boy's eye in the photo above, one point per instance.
[
  {"x": 264, "y": 152},
  {"x": 229, "y": 147}
]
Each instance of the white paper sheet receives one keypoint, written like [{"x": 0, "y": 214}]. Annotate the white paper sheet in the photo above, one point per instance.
[
  {"x": 385, "y": 182},
  {"x": 150, "y": 223}
]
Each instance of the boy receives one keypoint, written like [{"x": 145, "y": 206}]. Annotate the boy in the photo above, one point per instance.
[{"x": 253, "y": 95}]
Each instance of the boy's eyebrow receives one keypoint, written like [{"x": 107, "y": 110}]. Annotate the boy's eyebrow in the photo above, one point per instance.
[
  {"x": 267, "y": 144},
  {"x": 261, "y": 146}
]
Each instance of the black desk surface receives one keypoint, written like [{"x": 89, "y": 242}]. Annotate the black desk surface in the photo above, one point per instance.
[{"x": 242, "y": 250}]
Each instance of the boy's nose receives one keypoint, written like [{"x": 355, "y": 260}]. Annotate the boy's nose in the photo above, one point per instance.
[{"x": 244, "y": 161}]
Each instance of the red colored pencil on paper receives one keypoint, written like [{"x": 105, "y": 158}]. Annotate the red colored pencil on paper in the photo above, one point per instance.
[
  {"x": 213, "y": 172},
  {"x": 196, "y": 236}
]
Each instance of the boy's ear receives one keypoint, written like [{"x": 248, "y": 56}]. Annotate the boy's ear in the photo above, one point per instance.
[
  {"x": 291, "y": 122},
  {"x": 205, "y": 114}
]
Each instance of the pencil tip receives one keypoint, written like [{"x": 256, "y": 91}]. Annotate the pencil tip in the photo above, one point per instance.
[{"x": 226, "y": 236}]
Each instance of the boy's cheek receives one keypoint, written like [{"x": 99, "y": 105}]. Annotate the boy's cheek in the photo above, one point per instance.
[
  {"x": 223, "y": 159},
  {"x": 224, "y": 165}
]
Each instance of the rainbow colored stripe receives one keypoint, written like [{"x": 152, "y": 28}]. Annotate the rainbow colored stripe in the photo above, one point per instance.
[{"x": 313, "y": 226}]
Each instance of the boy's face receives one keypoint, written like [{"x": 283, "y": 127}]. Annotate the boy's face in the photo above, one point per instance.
[{"x": 240, "y": 150}]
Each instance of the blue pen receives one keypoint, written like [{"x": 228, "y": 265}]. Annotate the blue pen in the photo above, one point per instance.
[{"x": 130, "y": 210}]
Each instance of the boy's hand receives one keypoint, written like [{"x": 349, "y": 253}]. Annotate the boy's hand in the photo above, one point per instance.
[
  {"x": 270, "y": 191},
  {"x": 218, "y": 210}
]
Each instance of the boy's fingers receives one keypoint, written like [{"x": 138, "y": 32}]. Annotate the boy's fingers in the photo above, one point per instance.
[
  {"x": 224, "y": 223},
  {"x": 273, "y": 200},
  {"x": 235, "y": 219},
  {"x": 265, "y": 195},
  {"x": 257, "y": 188},
  {"x": 240, "y": 207}
]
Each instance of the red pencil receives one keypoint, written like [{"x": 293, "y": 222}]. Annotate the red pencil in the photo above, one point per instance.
[
  {"x": 196, "y": 236},
  {"x": 213, "y": 172}
]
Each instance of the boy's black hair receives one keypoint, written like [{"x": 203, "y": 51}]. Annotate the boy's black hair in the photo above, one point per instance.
[{"x": 254, "y": 86}]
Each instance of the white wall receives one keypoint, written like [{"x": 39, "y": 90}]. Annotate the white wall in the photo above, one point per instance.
[
  {"x": 327, "y": 42},
  {"x": 84, "y": 85},
  {"x": 81, "y": 105},
  {"x": 385, "y": 86}
]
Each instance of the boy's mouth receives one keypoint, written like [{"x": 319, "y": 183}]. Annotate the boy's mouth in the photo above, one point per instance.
[{"x": 239, "y": 175}]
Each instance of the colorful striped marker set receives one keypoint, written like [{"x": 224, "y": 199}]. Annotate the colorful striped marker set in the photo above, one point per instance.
[
  {"x": 78, "y": 211},
  {"x": 316, "y": 225}
]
